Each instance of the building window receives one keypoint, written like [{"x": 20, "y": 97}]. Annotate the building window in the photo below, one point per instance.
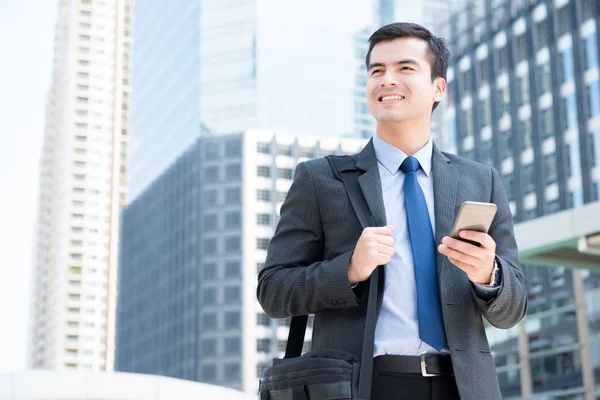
[
  {"x": 567, "y": 70},
  {"x": 263, "y": 195},
  {"x": 526, "y": 133},
  {"x": 505, "y": 143},
  {"x": 264, "y": 148},
  {"x": 284, "y": 173},
  {"x": 209, "y": 270},
  {"x": 232, "y": 372},
  {"x": 233, "y": 148},
  {"x": 233, "y": 172},
  {"x": 281, "y": 345},
  {"x": 570, "y": 112},
  {"x": 262, "y": 243},
  {"x": 211, "y": 151},
  {"x": 209, "y": 347},
  {"x": 209, "y": 322},
  {"x": 284, "y": 150},
  {"x": 528, "y": 178},
  {"x": 484, "y": 75},
  {"x": 263, "y": 171},
  {"x": 544, "y": 81},
  {"x": 503, "y": 101},
  {"x": 209, "y": 296},
  {"x": 263, "y": 219},
  {"x": 502, "y": 59},
  {"x": 210, "y": 221},
  {"x": 520, "y": 48},
  {"x": 210, "y": 246},
  {"x": 232, "y": 294},
  {"x": 211, "y": 174},
  {"x": 209, "y": 373},
  {"x": 232, "y": 269},
  {"x": 232, "y": 320},
  {"x": 232, "y": 244},
  {"x": 281, "y": 196},
  {"x": 232, "y": 346},
  {"x": 547, "y": 123},
  {"x": 562, "y": 20},
  {"x": 263, "y": 319},
  {"x": 541, "y": 34},
  {"x": 306, "y": 152},
  {"x": 263, "y": 345},
  {"x": 232, "y": 219},
  {"x": 523, "y": 90},
  {"x": 550, "y": 168},
  {"x": 509, "y": 185},
  {"x": 593, "y": 95},
  {"x": 232, "y": 196},
  {"x": 591, "y": 51}
]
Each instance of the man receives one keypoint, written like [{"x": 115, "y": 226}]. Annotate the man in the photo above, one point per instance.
[{"x": 435, "y": 289}]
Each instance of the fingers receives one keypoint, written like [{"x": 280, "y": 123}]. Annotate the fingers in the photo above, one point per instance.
[
  {"x": 484, "y": 239},
  {"x": 463, "y": 258},
  {"x": 463, "y": 247},
  {"x": 380, "y": 230}
]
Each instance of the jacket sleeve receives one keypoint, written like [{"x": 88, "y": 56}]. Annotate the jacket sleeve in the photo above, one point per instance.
[
  {"x": 295, "y": 279},
  {"x": 510, "y": 305}
]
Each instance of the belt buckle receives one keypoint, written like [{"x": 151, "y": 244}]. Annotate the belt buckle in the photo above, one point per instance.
[{"x": 424, "y": 365}]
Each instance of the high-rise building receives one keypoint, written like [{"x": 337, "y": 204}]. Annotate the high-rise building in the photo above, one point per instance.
[
  {"x": 524, "y": 97},
  {"x": 82, "y": 188},
  {"x": 221, "y": 66},
  {"x": 423, "y": 12},
  {"x": 191, "y": 247}
]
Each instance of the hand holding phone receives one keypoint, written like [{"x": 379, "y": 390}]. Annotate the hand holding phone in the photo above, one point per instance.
[{"x": 473, "y": 216}]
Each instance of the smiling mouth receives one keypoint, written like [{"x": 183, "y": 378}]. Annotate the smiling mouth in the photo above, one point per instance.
[{"x": 390, "y": 97}]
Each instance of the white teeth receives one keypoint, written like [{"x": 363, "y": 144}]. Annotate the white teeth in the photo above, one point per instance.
[{"x": 384, "y": 98}]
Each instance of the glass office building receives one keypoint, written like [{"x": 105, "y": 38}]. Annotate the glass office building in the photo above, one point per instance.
[
  {"x": 524, "y": 97},
  {"x": 221, "y": 66},
  {"x": 190, "y": 249}
]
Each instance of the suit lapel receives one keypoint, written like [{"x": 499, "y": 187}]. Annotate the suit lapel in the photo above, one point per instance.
[
  {"x": 445, "y": 183},
  {"x": 370, "y": 183}
]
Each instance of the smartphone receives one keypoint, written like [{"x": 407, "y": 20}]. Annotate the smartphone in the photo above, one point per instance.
[{"x": 473, "y": 216}]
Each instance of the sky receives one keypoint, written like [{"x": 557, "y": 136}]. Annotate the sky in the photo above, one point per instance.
[{"x": 26, "y": 47}]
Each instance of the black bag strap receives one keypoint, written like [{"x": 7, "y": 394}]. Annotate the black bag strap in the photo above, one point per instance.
[{"x": 344, "y": 168}]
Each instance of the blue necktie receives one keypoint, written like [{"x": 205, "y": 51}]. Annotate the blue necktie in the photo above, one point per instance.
[{"x": 431, "y": 324}]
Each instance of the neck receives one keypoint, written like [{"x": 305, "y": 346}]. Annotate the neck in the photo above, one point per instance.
[{"x": 406, "y": 138}]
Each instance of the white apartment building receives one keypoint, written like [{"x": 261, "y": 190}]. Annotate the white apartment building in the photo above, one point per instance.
[
  {"x": 82, "y": 188},
  {"x": 191, "y": 247}
]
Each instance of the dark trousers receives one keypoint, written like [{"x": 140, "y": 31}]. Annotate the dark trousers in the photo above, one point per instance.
[{"x": 403, "y": 386}]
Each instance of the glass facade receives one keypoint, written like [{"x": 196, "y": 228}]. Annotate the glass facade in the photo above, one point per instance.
[
  {"x": 180, "y": 281},
  {"x": 205, "y": 68},
  {"x": 544, "y": 55}
]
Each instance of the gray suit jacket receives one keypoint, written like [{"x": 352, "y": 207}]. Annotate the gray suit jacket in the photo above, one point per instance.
[{"x": 307, "y": 262}]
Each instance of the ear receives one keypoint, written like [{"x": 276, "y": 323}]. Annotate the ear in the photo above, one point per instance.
[{"x": 440, "y": 88}]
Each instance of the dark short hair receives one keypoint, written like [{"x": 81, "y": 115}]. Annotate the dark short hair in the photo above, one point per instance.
[{"x": 438, "y": 53}]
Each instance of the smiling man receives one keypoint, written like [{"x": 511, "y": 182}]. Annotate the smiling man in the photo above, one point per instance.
[{"x": 430, "y": 341}]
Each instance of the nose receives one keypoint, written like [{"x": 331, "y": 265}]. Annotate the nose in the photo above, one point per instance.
[{"x": 389, "y": 79}]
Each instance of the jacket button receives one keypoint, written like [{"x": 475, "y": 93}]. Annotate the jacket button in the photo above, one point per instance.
[{"x": 337, "y": 302}]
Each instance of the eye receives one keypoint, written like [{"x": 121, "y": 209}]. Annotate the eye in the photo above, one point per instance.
[
  {"x": 375, "y": 71},
  {"x": 407, "y": 68}
]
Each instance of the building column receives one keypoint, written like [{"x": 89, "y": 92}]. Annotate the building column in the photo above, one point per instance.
[
  {"x": 525, "y": 365},
  {"x": 587, "y": 367}
]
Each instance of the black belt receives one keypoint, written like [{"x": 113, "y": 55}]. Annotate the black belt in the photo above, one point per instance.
[{"x": 425, "y": 364}]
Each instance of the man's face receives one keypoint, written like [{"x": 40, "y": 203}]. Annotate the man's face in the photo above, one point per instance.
[{"x": 399, "y": 87}]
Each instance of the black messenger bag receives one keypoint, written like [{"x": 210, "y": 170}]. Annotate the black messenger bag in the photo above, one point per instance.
[{"x": 327, "y": 374}]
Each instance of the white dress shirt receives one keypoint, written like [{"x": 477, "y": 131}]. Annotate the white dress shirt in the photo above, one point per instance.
[{"x": 397, "y": 329}]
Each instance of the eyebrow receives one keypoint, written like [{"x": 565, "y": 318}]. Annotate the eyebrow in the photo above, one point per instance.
[{"x": 401, "y": 62}]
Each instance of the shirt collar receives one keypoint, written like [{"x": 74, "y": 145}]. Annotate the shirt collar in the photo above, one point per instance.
[{"x": 392, "y": 157}]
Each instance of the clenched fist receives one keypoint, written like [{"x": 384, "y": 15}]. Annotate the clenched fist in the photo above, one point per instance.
[{"x": 375, "y": 247}]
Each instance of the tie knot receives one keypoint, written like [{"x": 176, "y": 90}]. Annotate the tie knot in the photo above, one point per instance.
[{"x": 410, "y": 164}]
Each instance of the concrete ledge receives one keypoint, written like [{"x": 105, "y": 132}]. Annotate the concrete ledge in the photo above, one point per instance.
[{"x": 570, "y": 238}]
